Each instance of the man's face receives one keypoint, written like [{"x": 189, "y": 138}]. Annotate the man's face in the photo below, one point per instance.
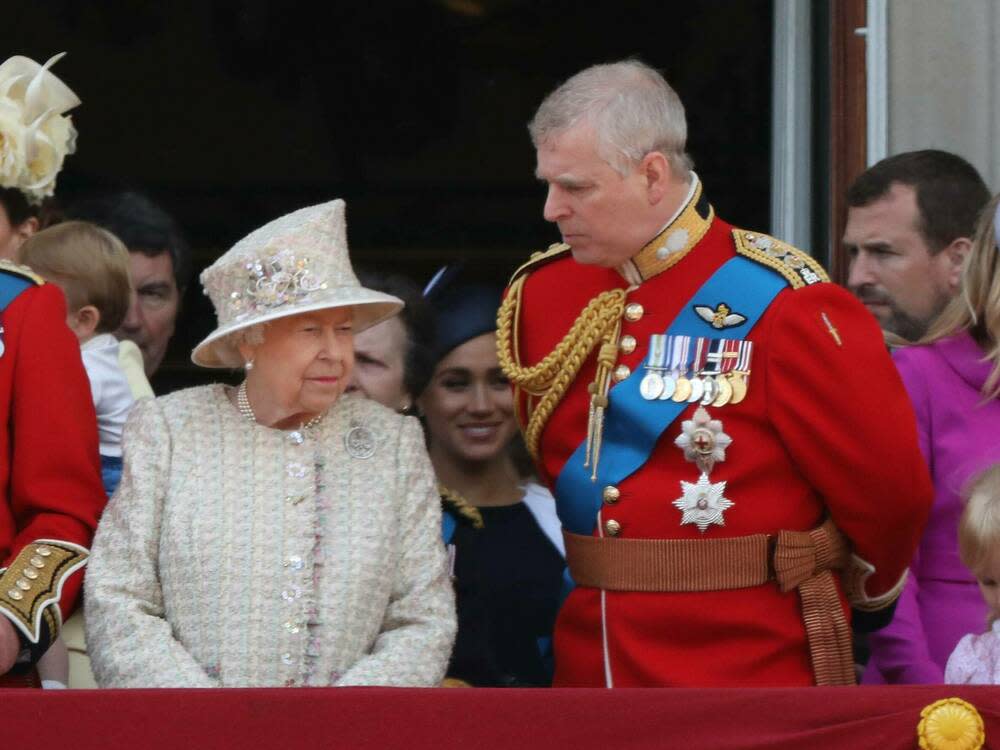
[
  {"x": 601, "y": 215},
  {"x": 892, "y": 270},
  {"x": 151, "y": 316}
]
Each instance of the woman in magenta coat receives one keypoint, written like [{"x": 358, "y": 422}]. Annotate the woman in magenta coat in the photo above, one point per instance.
[{"x": 953, "y": 379}]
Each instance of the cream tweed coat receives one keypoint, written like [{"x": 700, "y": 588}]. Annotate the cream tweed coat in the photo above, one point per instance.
[{"x": 238, "y": 555}]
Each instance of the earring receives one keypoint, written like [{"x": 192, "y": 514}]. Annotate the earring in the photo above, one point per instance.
[{"x": 248, "y": 366}]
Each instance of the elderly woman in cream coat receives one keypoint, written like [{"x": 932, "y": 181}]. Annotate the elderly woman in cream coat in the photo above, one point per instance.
[{"x": 278, "y": 533}]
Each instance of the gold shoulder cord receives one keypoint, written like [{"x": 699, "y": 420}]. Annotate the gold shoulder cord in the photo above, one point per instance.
[
  {"x": 461, "y": 506},
  {"x": 598, "y": 323}
]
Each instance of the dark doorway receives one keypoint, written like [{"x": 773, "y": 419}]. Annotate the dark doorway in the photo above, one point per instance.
[{"x": 232, "y": 113}]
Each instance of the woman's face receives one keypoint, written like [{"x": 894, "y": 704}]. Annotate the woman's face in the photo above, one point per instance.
[
  {"x": 468, "y": 404},
  {"x": 303, "y": 364},
  {"x": 12, "y": 236},
  {"x": 379, "y": 359}
]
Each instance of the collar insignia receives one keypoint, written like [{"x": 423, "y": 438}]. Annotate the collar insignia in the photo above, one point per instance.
[{"x": 675, "y": 241}]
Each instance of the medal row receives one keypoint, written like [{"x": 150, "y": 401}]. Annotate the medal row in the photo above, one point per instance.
[{"x": 696, "y": 370}]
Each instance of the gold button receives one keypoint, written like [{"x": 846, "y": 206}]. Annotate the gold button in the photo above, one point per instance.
[
  {"x": 612, "y": 528},
  {"x": 43, "y": 551},
  {"x": 611, "y": 494},
  {"x": 622, "y": 372},
  {"x": 37, "y": 562},
  {"x": 29, "y": 573},
  {"x": 627, "y": 344},
  {"x": 15, "y": 595},
  {"x": 295, "y": 499},
  {"x": 633, "y": 311},
  {"x": 22, "y": 584}
]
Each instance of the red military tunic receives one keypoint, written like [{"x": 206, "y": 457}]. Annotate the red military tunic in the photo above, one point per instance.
[
  {"x": 49, "y": 464},
  {"x": 825, "y": 430}
]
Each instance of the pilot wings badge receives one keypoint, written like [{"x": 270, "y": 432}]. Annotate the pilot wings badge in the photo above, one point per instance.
[{"x": 721, "y": 317}]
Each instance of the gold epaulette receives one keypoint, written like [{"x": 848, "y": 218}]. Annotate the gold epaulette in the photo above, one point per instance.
[
  {"x": 800, "y": 268},
  {"x": 24, "y": 272},
  {"x": 540, "y": 258}
]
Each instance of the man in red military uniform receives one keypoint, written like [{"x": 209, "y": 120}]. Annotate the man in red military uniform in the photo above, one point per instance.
[
  {"x": 733, "y": 456},
  {"x": 49, "y": 469}
]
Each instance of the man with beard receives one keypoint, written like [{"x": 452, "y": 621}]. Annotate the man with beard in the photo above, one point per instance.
[{"x": 909, "y": 226}]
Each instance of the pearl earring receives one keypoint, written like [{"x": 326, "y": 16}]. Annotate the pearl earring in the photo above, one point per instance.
[{"x": 249, "y": 365}]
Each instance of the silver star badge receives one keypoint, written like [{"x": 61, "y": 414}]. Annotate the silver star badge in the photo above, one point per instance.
[
  {"x": 702, "y": 503},
  {"x": 703, "y": 440}
]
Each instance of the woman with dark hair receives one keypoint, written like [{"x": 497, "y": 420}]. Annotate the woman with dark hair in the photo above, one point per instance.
[
  {"x": 49, "y": 500},
  {"x": 505, "y": 541}
]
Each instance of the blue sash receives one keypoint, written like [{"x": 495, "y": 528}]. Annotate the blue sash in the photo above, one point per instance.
[
  {"x": 632, "y": 425},
  {"x": 10, "y": 287}
]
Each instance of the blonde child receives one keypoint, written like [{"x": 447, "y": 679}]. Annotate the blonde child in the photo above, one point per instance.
[
  {"x": 976, "y": 658},
  {"x": 90, "y": 265}
]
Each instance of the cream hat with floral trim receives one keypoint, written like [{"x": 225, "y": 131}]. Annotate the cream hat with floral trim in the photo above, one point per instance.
[
  {"x": 36, "y": 134},
  {"x": 295, "y": 264}
]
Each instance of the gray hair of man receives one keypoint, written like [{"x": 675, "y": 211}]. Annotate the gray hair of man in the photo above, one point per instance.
[{"x": 632, "y": 109}]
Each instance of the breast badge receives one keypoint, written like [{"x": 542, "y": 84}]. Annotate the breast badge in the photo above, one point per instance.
[
  {"x": 704, "y": 443},
  {"x": 703, "y": 503}
]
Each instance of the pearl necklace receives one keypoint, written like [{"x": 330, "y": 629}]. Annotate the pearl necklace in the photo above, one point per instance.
[{"x": 243, "y": 404}]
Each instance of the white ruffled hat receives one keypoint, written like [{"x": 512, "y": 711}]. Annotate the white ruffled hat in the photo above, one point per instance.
[
  {"x": 295, "y": 264},
  {"x": 36, "y": 134}
]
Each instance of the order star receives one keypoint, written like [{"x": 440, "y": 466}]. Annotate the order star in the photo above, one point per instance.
[{"x": 702, "y": 503}]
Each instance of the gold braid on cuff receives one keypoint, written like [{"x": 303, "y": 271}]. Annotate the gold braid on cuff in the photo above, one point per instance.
[
  {"x": 599, "y": 324},
  {"x": 33, "y": 581},
  {"x": 856, "y": 576}
]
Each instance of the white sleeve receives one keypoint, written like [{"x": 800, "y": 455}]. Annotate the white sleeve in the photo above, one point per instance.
[
  {"x": 542, "y": 505},
  {"x": 130, "y": 642}
]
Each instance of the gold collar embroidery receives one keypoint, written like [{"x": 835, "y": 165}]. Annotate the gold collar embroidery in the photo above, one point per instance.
[{"x": 675, "y": 241}]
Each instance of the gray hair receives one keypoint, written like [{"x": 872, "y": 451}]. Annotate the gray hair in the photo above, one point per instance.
[
  {"x": 251, "y": 335},
  {"x": 633, "y": 110}
]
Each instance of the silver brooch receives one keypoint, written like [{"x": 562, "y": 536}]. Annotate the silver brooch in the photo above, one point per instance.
[{"x": 360, "y": 442}]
